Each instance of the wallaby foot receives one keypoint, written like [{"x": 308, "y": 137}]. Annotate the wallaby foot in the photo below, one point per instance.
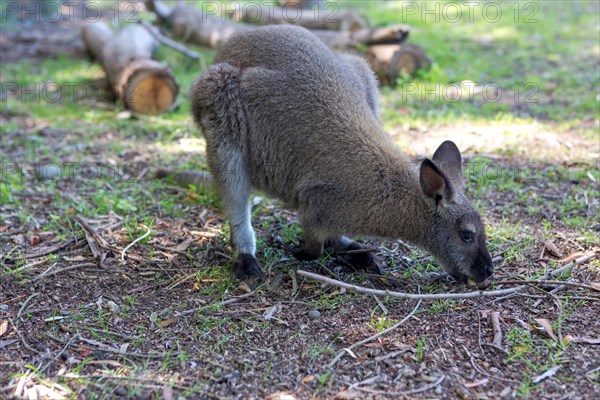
[
  {"x": 310, "y": 250},
  {"x": 246, "y": 269},
  {"x": 355, "y": 255}
]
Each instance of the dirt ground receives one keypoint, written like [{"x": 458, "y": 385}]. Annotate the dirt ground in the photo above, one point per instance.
[{"x": 169, "y": 323}]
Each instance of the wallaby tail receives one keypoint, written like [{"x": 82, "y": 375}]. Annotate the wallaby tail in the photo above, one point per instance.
[
  {"x": 198, "y": 179},
  {"x": 217, "y": 104}
]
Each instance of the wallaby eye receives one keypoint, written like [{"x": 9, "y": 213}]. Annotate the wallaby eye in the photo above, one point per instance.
[{"x": 467, "y": 236}]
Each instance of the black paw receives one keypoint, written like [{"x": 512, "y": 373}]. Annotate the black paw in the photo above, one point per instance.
[
  {"x": 361, "y": 259},
  {"x": 245, "y": 268},
  {"x": 306, "y": 255}
]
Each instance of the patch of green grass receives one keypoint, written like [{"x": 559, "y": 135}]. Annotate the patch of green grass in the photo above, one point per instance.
[
  {"x": 442, "y": 306},
  {"x": 421, "y": 347},
  {"x": 536, "y": 61},
  {"x": 536, "y": 356},
  {"x": 381, "y": 323}
]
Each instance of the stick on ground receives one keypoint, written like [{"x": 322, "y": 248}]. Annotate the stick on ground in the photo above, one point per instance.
[
  {"x": 373, "y": 337},
  {"x": 469, "y": 295},
  {"x": 495, "y": 318}
]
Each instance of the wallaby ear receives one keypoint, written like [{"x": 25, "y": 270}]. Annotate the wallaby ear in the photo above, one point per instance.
[
  {"x": 448, "y": 158},
  {"x": 433, "y": 183}
]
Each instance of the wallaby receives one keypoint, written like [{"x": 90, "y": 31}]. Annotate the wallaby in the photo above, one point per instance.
[{"x": 284, "y": 114}]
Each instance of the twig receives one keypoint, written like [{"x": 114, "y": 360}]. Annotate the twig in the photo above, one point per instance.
[
  {"x": 373, "y": 337},
  {"x": 495, "y": 318},
  {"x": 546, "y": 282},
  {"x": 381, "y": 305},
  {"x": 553, "y": 291},
  {"x": 408, "y": 392},
  {"x": 223, "y": 303},
  {"x": 536, "y": 296},
  {"x": 469, "y": 295},
  {"x": 357, "y": 251},
  {"x": 45, "y": 367},
  {"x": 57, "y": 271},
  {"x": 107, "y": 349},
  {"x": 25, "y": 305},
  {"x": 154, "y": 31},
  {"x": 91, "y": 231},
  {"x": 493, "y": 346},
  {"x": 292, "y": 274},
  {"x": 23, "y": 341},
  {"x": 145, "y": 235},
  {"x": 49, "y": 250},
  {"x": 31, "y": 265},
  {"x": 13, "y": 299}
]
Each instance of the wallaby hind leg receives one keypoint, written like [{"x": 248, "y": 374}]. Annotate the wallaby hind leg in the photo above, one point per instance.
[
  {"x": 235, "y": 190},
  {"x": 354, "y": 254}
]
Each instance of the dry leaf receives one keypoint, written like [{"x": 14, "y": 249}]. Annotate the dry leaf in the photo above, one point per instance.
[
  {"x": 106, "y": 362},
  {"x": 55, "y": 318},
  {"x": 281, "y": 396},
  {"x": 183, "y": 246},
  {"x": 476, "y": 383},
  {"x": 4, "y": 228},
  {"x": 167, "y": 322},
  {"x": 545, "y": 375},
  {"x": 551, "y": 247},
  {"x": 76, "y": 258},
  {"x": 547, "y": 327},
  {"x": 348, "y": 395},
  {"x": 577, "y": 339},
  {"x": 3, "y": 327},
  {"x": 271, "y": 312},
  {"x": 6, "y": 343}
]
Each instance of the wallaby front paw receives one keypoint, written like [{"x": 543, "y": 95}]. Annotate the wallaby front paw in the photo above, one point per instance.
[
  {"x": 303, "y": 254},
  {"x": 245, "y": 268}
]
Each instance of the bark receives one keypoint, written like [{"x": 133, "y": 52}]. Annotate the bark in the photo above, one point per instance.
[
  {"x": 330, "y": 17},
  {"x": 143, "y": 85}
]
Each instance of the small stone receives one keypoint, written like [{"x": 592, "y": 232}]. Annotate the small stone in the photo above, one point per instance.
[
  {"x": 124, "y": 115},
  {"x": 49, "y": 171},
  {"x": 3, "y": 307},
  {"x": 314, "y": 314}
]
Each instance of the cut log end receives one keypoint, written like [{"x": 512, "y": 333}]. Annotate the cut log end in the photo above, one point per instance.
[
  {"x": 151, "y": 92},
  {"x": 147, "y": 87},
  {"x": 390, "y": 61}
]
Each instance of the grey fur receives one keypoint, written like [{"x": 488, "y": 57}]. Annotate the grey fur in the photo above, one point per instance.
[{"x": 284, "y": 114}]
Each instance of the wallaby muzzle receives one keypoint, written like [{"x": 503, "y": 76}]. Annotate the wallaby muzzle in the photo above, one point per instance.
[{"x": 483, "y": 267}]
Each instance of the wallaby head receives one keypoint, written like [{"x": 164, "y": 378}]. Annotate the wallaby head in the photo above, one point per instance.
[{"x": 455, "y": 236}]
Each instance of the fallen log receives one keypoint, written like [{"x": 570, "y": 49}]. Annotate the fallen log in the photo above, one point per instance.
[
  {"x": 191, "y": 24},
  {"x": 142, "y": 84},
  {"x": 390, "y": 61},
  {"x": 383, "y": 48},
  {"x": 329, "y": 17},
  {"x": 304, "y": 4}
]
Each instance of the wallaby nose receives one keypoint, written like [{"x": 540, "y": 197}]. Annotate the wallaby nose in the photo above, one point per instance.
[{"x": 489, "y": 270}]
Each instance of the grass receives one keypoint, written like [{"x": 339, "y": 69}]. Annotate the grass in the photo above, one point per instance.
[{"x": 544, "y": 70}]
